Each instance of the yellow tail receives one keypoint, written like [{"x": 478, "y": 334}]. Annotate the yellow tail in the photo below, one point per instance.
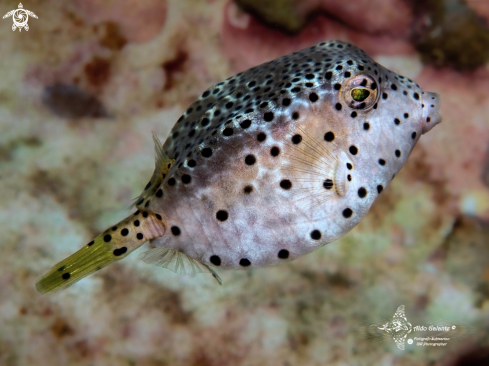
[{"x": 110, "y": 246}]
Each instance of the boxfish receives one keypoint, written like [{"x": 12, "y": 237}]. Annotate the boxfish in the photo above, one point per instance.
[{"x": 267, "y": 166}]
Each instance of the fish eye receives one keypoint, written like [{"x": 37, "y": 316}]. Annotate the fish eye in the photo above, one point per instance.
[{"x": 360, "y": 92}]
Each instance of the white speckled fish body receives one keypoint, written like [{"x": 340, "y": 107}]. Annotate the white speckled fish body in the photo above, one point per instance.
[
  {"x": 280, "y": 160},
  {"x": 268, "y": 165}
]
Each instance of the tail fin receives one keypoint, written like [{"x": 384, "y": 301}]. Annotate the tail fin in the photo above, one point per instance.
[{"x": 110, "y": 246}]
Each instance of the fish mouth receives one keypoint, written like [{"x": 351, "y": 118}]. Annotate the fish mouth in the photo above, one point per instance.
[{"x": 431, "y": 105}]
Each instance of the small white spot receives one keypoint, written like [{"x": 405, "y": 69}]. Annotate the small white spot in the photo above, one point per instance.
[
  {"x": 469, "y": 205},
  {"x": 237, "y": 17}
]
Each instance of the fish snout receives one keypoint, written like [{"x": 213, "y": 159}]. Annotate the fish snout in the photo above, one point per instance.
[{"x": 431, "y": 105}]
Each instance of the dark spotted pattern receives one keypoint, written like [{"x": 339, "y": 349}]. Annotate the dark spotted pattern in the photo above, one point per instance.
[{"x": 264, "y": 160}]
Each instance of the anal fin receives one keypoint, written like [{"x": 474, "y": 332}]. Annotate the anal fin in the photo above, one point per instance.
[{"x": 177, "y": 262}]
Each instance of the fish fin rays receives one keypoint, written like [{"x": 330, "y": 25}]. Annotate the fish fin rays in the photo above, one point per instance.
[
  {"x": 162, "y": 162},
  {"x": 310, "y": 162},
  {"x": 110, "y": 246},
  {"x": 177, "y": 262},
  {"x": 163, "y": 165},
  {"x": 79, "y": 265}
]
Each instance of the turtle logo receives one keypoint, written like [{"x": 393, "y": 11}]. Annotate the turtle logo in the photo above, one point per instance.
[
  {"x": 398, "y": 327},
  {"x": 20, "y": 17}
]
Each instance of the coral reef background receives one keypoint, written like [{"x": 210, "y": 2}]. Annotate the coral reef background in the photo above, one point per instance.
[{"x": 80, "y": 93}]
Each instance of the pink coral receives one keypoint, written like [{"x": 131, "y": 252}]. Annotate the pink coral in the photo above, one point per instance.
[
  {"x": 247, "y": 42},
  {"x": 140, "y": 20}
]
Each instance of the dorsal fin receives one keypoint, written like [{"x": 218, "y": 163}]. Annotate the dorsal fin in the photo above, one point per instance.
[
  {"x": 162, "y": 162},
  {"x": 177, "y": 262},
  {"x": 163, "y": 165}
]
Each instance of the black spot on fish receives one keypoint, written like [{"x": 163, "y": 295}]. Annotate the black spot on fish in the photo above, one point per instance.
[
  {"x": 120, "y": 251},
  {"x": 362, "y": 192},
  {"x": 283, "y": 254},
  {"x": 329, "y": 136},
  {"x": 315, "y": 235},
  {"x": 296, "y": 139},
  {"x": 222, "y": 215},
  {"x": 244, "y": 262},
  {"x": 215, "y": 260},
  {"x": 328, "y": 184}
]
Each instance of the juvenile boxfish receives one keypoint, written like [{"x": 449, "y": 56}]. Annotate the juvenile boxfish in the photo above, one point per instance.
[{"x": 268, "y": 165}]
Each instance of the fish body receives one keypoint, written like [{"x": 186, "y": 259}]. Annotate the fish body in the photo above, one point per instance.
[{"x": 276, "y": 162}]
